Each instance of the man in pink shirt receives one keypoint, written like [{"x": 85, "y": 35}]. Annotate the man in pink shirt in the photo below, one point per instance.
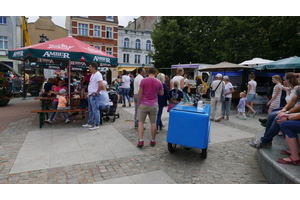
[{"x": 147, "y": 104}]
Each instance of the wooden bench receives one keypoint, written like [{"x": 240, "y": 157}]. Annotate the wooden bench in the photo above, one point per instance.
[{"x": 43, "y": 112}]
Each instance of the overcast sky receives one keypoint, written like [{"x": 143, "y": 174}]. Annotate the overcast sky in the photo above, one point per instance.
[{"x": 61, "y": 20}]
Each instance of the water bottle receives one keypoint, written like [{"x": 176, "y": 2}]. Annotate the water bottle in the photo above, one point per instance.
[{"x": 200, "y": 105}]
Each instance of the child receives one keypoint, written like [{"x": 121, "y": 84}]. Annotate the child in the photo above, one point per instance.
[
  {"x": 276, "y": 95},
  {"x": 83, "y": 94},
  {"x": 62, "y": 104},
  {"x": 176, "y": 94},
  {"x": 241, "y": 106}
]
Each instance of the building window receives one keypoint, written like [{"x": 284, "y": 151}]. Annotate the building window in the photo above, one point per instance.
[
  {"x": 125, "y": 58},
  {"x": 108, "y": 32},
  {"x": 3, "y": 42},
  {"x": 126, "y": 43},
  {"x": 97, "y": 31},
  {"x": 109, "y": 18},
  {"x": 137, "y": 59},
  {"x": 108, "y": 50},
  {"x": 98, "y": 47},
  {"x": 2, "y": 20},
  {"x": 137, "y": 44},
  {"x": 148, "y": 45},
  {"x": 83, "y": 29},
  {"x": 147, "y": 60}
]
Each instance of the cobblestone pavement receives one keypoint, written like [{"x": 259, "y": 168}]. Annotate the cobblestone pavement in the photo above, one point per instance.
[{"x": 226, "y": 162}]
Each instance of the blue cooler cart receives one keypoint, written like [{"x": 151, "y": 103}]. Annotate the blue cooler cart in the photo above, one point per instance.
[{"x": 189, "y": 127}]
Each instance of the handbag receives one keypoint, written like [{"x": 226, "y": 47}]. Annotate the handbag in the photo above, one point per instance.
[{"x": 212, "y": 92}]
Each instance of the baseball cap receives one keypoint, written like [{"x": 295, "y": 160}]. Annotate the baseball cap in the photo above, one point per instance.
[
  {"x": 219, "y": 75},
  {"x": 62, "y": 91}
]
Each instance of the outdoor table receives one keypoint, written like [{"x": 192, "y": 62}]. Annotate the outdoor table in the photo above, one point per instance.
[{"x": 189, "y": 127}]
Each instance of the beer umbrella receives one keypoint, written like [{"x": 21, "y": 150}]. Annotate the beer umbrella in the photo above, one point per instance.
[
  {"x": 63, "y": 50},
  {"x": 283, "y": 64}
]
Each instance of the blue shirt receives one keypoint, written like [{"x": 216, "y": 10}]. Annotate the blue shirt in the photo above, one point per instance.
[{"x": 242, "y": 103}]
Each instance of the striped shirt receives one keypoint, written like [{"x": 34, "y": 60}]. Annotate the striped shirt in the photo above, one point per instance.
[{"x": 276, "y": 102}]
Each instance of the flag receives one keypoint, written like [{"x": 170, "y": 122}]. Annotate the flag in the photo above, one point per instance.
[{"x": 25, "y": 31}]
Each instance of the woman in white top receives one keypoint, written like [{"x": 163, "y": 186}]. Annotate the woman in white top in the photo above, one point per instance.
[
  {"x": 251, "y": 95},
  {"x": 228, "y": 96},
  {"x": 125, "y": 87},
  {"x": 179, "y": 78},
  {"x": 276, "y": 95},
  {"x": 293, "y": 84}
]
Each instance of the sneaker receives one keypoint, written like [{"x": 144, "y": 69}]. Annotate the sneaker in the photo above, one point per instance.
[
  {"x": 259, "y": 144},
  {"x": 245, "y": 118},
  {"x": 48, "y": 121},
  {"x": 162, "y": 127},
  {"x": 237, "y": 116},
  {"x": 67, "y": 121},
  {"x": 94, "y": 128},
  {"x": 152, "y": 143},
  {"x": 87, "y": 126},
  {"x": 140, "y": 144},
  {"x": 262, "y": 120},
  {"x": 264, "y": 124},
  {"x": 54, "y": 119},
  {"x": 136, "y": 127},
  {"x": 129, "y": 104},
  {"x": 157, "y": 131}
]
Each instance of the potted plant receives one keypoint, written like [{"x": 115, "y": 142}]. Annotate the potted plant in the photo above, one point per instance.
[
  {"x": 5, "y": 88},
  {"x": 35, "y": 84}
]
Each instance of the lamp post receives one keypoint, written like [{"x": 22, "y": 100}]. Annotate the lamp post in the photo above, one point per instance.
[{"x": 43, "y": 38}]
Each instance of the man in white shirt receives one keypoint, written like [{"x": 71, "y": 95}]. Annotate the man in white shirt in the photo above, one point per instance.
[
  {"x": 94, "y": 88},
  {"x": 215, "y": 102},
  {"x": 136, "y": 87}
]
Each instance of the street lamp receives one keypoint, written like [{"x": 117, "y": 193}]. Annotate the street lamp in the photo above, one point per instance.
[{"x": 43, "y": 38}]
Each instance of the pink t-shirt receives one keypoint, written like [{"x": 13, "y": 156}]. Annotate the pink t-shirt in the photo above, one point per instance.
[
  {"x": 57, "y": 90},
  {"x": 150, "y": 88}
]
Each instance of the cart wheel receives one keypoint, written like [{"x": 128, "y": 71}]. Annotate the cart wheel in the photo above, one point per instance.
[
  {"x": 204, "y": 153},
  {"x": 171, "y": 147}
]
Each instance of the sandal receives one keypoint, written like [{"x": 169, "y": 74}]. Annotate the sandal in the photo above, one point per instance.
[
  {"x": 227, "y": 118},
  {"x": 286, "y": 152},
  {"x": 218, "y": 120},
  {"x": 248, "y": 115},
  {"x": 254, "y": 114},
  {"x": 291, "y": 161},
  {"x": 222, "y": 117}
]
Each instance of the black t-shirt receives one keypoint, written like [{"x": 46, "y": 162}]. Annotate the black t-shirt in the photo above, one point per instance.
[{"x": 48, "y": 86}]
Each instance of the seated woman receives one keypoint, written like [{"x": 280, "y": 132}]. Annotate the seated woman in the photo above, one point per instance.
[
  {"x": 289, "y": 129},
  {"x": 48, "y": 86}
]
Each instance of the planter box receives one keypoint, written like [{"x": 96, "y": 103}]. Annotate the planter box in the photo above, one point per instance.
[{"x": 4, "y": 102}]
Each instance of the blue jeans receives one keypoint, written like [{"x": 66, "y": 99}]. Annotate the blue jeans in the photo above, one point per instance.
[
  {"x": 272, "y": 127},
  {"x": 94, "y": 109},
  {"x": 158, "y": 119},
  {"x": 65, "y": 114},
  {"x": 54, "y": 107},
  {"x": 82, "y": 104},
  {"x": 125, "y": 92},
  {"x": 226, "y": 107},
  {"x": 290, "y": 128}
]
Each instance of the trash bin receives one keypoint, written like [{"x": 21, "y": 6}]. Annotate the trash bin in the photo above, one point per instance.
[{"x": 189, "y": 127}]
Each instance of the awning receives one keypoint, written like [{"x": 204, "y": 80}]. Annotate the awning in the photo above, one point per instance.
[
  {"x": 185, "y": 66},
  {"x": 129, "y": 69}
]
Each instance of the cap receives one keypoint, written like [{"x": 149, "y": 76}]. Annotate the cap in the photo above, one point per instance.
[
  {"x": 219, "y": 76},
  {"x": 62, "y": 91}
]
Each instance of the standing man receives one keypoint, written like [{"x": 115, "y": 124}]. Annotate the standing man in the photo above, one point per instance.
[
  {"x": 26, "y": 83},
  {"x": 136, "y": 87},
  {"x": 147, "y": 104},
  {"x": 95, "y": 85},
  {"x": 216, "y": 104}
]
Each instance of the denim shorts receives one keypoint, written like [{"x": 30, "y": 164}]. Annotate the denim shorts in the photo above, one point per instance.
[{"x": 250, "y": 97}]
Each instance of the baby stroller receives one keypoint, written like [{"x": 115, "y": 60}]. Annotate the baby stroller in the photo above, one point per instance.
[{"x": 113, "y": 96}]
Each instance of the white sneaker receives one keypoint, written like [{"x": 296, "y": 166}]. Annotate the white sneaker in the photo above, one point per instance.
[
  {"x": 94, "y": 128},
  {"x": 87, "y": 126},
  {"x": 67, "y": 121},
  {"x": 48, "y": 121},
  {"x": 54, "y": 119}
]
